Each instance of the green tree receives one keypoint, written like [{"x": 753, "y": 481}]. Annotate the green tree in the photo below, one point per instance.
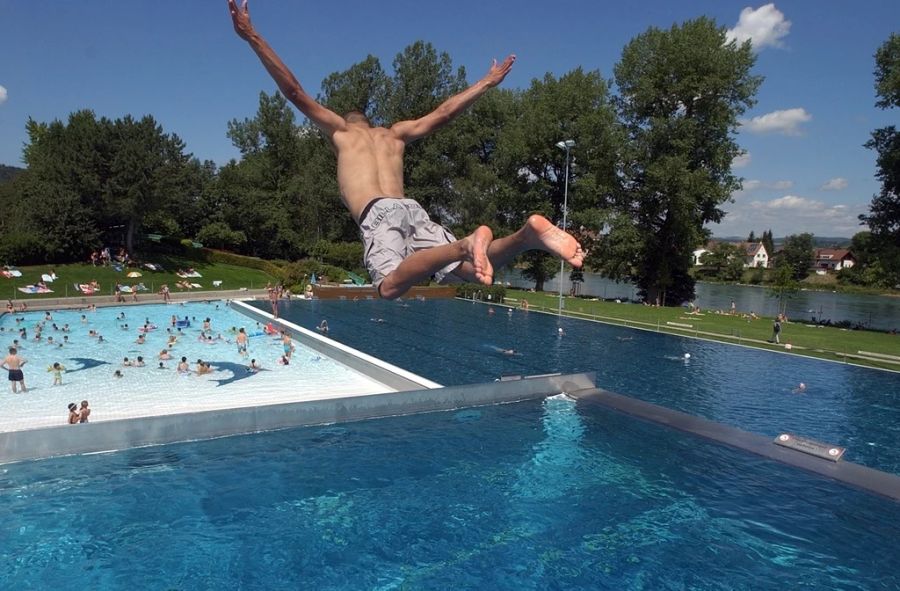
[
  {"x": 576, "y": 106},
  {"x": 798, "y": 254},
  {"x": 726, "y": 259},
  {"x": 752, "y": 236},
  {"x": 769, "y": 243},
  {"x": 884, "y": 211},
  {"x": 539, "y": 267},
  {"x": 147, "y": 168},
  {"x": 784, "y": 285},
  {"x": 682, "y": 91}
]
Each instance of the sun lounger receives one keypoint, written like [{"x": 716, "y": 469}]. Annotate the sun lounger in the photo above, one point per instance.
[
  {"x": 217, "y": 283},
  {"x": 47, "y": 278},
  {"x": 197, "y": 285}
]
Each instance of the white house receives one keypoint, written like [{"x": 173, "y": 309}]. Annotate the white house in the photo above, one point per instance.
[
  {"x": 699, "y": 253},
  {"x": 755, "y": 254},
  {"x": 834, "y": 259}
]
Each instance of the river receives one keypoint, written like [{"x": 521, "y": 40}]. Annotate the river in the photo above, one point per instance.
[{"x": 875, "y": 311}]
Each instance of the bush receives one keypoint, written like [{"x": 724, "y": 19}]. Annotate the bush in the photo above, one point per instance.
[
  {"x": 296, "y": 275},
  {"x": 22, "y": 248},
  {"x": 211, "y": 255},
  {"x": 346, "y": 255},
  {"x": 467, "y": 290},
  {"x": 756, "y": 276},
  {"x": 220, "y": 235}
]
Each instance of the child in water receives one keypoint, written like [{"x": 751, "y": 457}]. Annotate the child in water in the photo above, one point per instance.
[{"x": 57, "y": 370}]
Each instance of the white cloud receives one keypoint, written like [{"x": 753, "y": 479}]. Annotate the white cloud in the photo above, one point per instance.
[
  {"x": 835, "y": 184},
  {"x": 787, "y": 202},
  {"x": 741, "y": 160},
  {"x": 2, "y": 95},
  {"x": 765, "y": 26},
  {"x": 789, "y": 214},
  {"x": 754, "y": 185},
  {"x": 786, "y": 122}
]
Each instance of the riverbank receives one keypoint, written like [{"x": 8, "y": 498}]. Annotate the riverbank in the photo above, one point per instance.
[
  {"x": 815, "y": 284},
  {"x": 860, "y": 347}
]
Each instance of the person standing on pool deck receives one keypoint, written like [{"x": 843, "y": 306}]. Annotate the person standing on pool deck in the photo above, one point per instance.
[
  {"x": 370, "y": 178},
  {"x": 13, "y": 364}
]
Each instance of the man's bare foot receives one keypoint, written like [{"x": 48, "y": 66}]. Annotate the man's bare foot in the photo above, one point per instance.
[
  {"x": 475, "y": 246},
  {"x": 541, "y": 234}
]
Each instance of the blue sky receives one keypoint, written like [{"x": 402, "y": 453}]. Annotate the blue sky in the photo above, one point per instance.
[{"x": 805, "y": 169}]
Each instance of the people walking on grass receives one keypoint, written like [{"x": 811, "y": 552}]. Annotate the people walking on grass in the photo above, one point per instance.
[
  {"x": 370, "y": 179},
  {"x": 776, "y": 331},
  {"x": 12, "y": 363}
]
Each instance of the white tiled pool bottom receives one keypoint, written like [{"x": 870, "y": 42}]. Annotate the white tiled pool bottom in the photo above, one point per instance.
[{"x": 150, "y": 391}]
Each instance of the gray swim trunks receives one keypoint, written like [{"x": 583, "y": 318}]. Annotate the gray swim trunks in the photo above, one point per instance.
[{"x": 393, "y": 229}]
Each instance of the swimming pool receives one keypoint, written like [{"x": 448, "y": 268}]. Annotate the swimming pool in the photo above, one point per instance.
[
  {"x": 148, "y": 390},
  {"x": 534, "y": 495},
  {"x": 751, "y": 389}
]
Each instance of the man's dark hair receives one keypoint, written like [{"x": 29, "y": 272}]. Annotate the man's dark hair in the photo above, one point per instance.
[{"x": 356, "y": 116}]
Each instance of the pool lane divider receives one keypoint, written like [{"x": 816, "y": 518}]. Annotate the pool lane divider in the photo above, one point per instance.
[
  {"x": 122, "y": 434},
  {"x": 801, "y": 456}
]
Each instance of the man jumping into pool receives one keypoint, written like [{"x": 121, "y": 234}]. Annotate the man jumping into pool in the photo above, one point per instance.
[{"x": 402, "y": 245}]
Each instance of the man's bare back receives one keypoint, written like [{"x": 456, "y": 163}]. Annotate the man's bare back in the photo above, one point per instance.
[{"x": 370, "y": 164}]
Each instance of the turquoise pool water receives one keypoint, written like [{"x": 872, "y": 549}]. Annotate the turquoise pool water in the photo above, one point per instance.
[
  {"x": 457, "y": 342},
  {"x": 534, "y": 495},
  {"x": 90, "y": 364}
]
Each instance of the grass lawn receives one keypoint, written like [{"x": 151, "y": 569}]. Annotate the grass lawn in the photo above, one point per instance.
[
  {"x": 822, "y": 342},
  {"x": 231, "y": 276}
]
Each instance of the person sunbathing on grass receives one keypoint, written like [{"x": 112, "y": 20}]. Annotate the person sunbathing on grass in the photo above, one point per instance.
[{"x": 370, "y": 178}]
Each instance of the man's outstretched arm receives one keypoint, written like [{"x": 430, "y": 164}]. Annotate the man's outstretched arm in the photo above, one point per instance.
[
  {"x": 325, "y": 119},
  {"x": 410, "y": 131}
]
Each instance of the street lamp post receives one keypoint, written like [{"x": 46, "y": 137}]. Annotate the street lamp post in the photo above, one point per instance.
[{"x": 566, "y": 145}]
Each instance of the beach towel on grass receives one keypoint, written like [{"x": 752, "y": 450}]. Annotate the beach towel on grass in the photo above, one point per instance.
[{"x": 35, "y": 289}]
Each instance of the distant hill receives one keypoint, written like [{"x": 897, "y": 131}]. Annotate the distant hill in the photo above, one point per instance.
[
  {"x": 8, "y": 173},
  {"x": 818, "y": 241}
]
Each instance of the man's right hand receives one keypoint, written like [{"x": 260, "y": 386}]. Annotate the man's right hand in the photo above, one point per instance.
[
  {"x": 499, "y": 71},
  {"x": 240, "y": 17}
]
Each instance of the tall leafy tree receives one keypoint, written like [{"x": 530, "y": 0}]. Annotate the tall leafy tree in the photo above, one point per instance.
[
  {"x": 769, "y": 243},
  {"x": 798, "y": 254},
  {"x": 884, "y": 211},
  {"x": 147, "y": 167},
  {"x": 727, "y": 260},
  {"x": 576, "y": 106},
  {"x": 682, "y": 91}
]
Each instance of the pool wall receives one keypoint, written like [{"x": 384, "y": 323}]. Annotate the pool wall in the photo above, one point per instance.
[
  {"x": 116, "y": 435},
  {"x": 376, "y": 369},
  {"x": 862, "y": 477}
]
